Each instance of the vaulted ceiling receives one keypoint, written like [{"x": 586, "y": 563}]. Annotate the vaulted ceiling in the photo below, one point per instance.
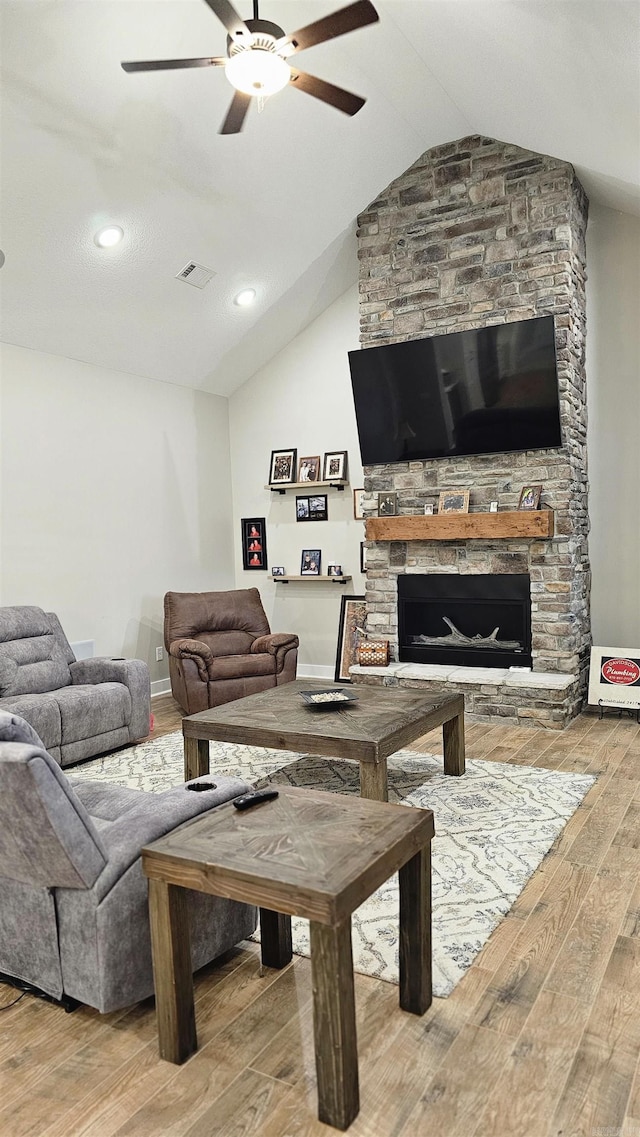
[{"x": 274, "y": 207}]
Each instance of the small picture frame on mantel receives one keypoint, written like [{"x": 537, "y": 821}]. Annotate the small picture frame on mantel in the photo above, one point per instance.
[
  {"x": 530, "y": 497},
  {"x": 454, "y": 501},
  {"x": 387, "y": 504}
]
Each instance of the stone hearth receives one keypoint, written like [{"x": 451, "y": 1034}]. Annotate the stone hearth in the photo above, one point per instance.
[{"x": 481, "y": 232}]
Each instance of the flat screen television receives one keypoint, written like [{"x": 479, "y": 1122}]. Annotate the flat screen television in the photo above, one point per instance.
[{"x": 485, "y": 391}]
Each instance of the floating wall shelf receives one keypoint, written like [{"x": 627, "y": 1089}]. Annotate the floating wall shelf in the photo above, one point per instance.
[
  {"x": 310, "y": 487},
  {"x": 315, "y": 579},
  {"x": 462, "y": 526}
]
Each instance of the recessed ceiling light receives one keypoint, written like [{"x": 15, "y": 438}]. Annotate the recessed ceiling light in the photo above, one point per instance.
[
  {"x": 246, "y": 297},
  {"x": 110, "y": 235}
]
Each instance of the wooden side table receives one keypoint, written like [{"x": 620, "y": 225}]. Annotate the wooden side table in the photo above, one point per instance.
[{"x": 307, "y": 853}]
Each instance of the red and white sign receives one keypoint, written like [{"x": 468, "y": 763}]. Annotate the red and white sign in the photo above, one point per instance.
[
  {"x": 614, "y": 677},
  {"x": 619, "y": 670}
]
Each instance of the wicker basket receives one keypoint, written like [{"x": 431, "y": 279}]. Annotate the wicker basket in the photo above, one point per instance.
[{"x": 373, "y": 653}]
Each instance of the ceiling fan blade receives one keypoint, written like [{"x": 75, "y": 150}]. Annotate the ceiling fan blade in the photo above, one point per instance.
[
  {"x": 345, "y": 20},
  {"x": 228, "y": 16},
  {"x": 234, "y": 121},
  {"x": 171, "y": 64},
  {"x": 339, "y": 98}
]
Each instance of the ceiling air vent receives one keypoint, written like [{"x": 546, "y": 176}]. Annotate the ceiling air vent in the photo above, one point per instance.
[{"x": 194, "y": 274}]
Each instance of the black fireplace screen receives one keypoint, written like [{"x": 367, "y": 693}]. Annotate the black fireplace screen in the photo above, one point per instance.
[{"x": 467, "y": 621}]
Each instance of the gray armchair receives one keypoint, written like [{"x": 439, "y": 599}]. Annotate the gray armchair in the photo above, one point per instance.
[
  {"x": 74, "y": 921},
  {"x": 78, "y": 708}
]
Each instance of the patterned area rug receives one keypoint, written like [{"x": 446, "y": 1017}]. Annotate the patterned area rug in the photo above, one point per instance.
[{"x": 493, "y": 828}]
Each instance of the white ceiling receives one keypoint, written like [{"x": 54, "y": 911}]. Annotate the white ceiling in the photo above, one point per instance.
[{"x": 274, "y": 207}]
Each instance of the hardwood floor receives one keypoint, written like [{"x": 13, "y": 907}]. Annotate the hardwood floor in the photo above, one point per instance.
[{"x": 541, "y": 1037}]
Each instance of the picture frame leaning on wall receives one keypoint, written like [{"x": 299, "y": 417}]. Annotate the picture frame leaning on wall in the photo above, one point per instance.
[
  {"x": 351, "y": 630},
  {"x": 358, "y": 504}
]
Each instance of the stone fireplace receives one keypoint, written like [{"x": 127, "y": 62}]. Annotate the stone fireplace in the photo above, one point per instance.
[{"x": 481, "y": 232}]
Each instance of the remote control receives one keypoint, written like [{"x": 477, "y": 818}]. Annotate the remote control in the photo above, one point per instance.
[{"x": 247, "y": 800}]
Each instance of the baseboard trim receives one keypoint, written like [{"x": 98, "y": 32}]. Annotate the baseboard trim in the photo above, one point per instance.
[
  {"x": 160, "y": 687},
  {"x": 315, "y": 671},
  {"x": 307, "y": 671}
]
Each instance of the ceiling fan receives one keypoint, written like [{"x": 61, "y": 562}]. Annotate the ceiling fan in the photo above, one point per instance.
[{"x": 257, "y": 53}]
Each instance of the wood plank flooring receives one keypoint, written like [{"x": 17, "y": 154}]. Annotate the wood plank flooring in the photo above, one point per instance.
[{"x": 540, "y": 1039}]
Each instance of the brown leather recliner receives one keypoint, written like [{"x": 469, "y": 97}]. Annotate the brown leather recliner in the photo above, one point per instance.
[{"x": 221, "y": 648}]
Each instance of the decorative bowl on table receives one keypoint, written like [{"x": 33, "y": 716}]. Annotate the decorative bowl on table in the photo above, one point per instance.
[{"x": 328, "y": 700}]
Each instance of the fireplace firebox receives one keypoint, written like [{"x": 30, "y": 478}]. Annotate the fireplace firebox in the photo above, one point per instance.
[{"x": 465, "y": 620}]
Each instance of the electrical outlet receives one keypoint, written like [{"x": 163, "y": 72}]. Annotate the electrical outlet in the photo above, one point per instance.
[{"x": 159, "y": 654}]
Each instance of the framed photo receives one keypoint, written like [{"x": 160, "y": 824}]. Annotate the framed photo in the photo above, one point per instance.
[
  {"x": 310, "y": 562},
  {"x": 530, "y": 497},
  {"x": 254, "y": 543},
  {"x": 351, "y": 630},
  {"x": 363, "y": 557},
  {"x": 309, "y": 469},
  {"x": 311, "y": 508},
  {"x": 453, "y": 501},
  {"x": 334, "y": 570},
  {"x": 283, "y": 467},
  {"x": 387, "y": 504},
  {"x": 358, "y": 505},
  {"x": 335, "y": 466},
  {"x": 614, "y": 677},
  {"x": 428, "y": 509},
  {"x": 318, "y": 507},
  {"x": 278, "y": 570}
]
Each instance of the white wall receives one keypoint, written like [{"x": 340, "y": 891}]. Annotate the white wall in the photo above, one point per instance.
[
  {"x": 115, "y": 489},
  {"x": 613, "y": 385},
  {"x": 301, "y": 399}
]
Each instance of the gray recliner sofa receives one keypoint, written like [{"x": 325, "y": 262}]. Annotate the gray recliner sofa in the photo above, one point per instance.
[
  {"x": 74, "y": 919},
  {"x": 77, "y": 708}
]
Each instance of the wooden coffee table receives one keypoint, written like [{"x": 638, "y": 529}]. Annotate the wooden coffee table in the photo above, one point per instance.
[
  {"x": 306, "y": 853},
  {"x": 381, "y": 721}
]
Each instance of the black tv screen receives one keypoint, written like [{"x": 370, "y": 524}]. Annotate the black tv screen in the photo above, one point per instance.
[{"x": 485, "y": 391}]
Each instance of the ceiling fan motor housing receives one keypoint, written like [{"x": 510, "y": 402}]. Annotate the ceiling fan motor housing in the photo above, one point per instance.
[{"x": 264, "y": 34}]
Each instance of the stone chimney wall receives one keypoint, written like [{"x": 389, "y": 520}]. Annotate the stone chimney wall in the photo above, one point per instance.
[{"x": 481, "y": 232}]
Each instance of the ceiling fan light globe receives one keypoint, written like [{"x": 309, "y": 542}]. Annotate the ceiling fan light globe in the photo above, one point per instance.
[{"x": 257, "y": 72}]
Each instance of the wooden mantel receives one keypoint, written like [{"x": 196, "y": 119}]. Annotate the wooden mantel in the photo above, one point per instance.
[{"x": 462, "y": 526}]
